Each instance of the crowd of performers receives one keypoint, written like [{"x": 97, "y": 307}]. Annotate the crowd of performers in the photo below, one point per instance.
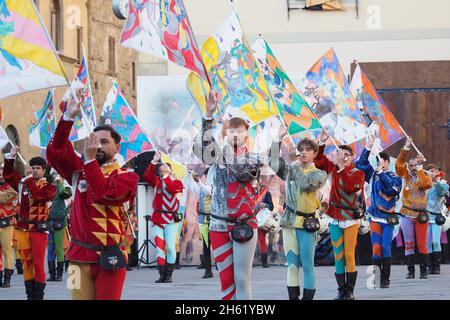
[{"x": 98, "y": 196}]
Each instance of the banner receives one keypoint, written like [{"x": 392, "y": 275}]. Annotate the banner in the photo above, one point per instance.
[
  {"x": 327, "y": 91},
  {"x": 118, "y": 113},
  {"x": 28, "y": 59},
  {"x": 162, "y": 28},
  {"x": 295, "y": 112},
  {"x": 43, "y": 130},
  {"x": 234, "y": 75}
]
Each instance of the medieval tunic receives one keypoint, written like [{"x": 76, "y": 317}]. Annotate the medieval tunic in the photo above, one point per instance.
[{"x": 98, "y": 212}]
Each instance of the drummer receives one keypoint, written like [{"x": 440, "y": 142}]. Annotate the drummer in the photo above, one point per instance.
[
  {"x": 266, "y": 203},
  {"x": 299, "y": 221}
]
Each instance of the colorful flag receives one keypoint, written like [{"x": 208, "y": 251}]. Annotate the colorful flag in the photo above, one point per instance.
[
  {"x": 294, "y": 110},
  {"x": 118, "y": 113},
  {"x": 80, "y": 129},
  {"x": 382, "y": 124},
  {"x": 162, "y": 28},
  {"x": 234, "y": 75},
  {"x": 327, "y": 91},
  {"x": 43, "y": 130},
  {"x": 28, "y": 59}
]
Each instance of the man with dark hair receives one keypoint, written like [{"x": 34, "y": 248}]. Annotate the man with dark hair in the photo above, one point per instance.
[
  {"x": 101, "y": 188},
  {"x": 386, "y": 188},
  {"x": 35, "y": 194},
  {"x": 346, "y": 195},
  {"x": 414, "y": 205}
]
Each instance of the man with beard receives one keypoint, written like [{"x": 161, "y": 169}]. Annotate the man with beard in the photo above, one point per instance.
[
  {"x": 35, "y": 193},
  {"x": 414, "y": 220},
  {"x": 97, "y": 252}
]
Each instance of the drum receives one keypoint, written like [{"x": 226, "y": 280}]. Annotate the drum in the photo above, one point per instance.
[
  {"x": 364, "y": 226},
  {"x": 268, "y": 221}
]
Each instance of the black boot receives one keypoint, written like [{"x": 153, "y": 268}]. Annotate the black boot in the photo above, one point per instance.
[
  {"x": 128, "y": 267},
  {"x": 177, "y": 261},
  {"x": 386, "y": 273},
  {"x": 274, "y": 256},
  {"x": 162, "y": 274},
  {"x": 29, "y": 289},
  {"x": 51, "y": 271},
  {"x": 59, "y": 271},
  {"x": 431, "y": 264},
  {"x": 377, "y": 263},
  {"x": 294, "y": 293},
  {"x": 1, "y": 278},
  {"x": 7, "y": 280},
  {"x": 19, "y": 267},
  {"x": 423, "y": 264},
  {"x": 445, "y": 254},
  {"x": 308, "y": 294},
  {"x": 264, "y": 260},
  {"x": 437, "y": 263},
  {"x": 169, "y": 270},
  {"x": 208, "y": 271},
  {"x": 39, "y": 291},
  {"x": 66, "y": 265},
  {"x": 350, "y": 285},
  {"x": 340, "y": 279},
  {"x": 202, "y": 262},
  {"x": 411, "y": 268}
]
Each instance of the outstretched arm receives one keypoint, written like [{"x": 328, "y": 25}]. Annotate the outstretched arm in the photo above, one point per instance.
[{"x": 364, "y": 165}]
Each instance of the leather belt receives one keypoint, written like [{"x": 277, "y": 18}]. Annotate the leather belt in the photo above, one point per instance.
[{"x": 94, "y": 247}]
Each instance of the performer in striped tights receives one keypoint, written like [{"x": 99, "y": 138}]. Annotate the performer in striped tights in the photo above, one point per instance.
[{"x": 166, "y": 215}]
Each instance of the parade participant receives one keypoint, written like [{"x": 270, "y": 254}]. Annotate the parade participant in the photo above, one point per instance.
[
  {"x": 58, "y": 222},
  {"x": 97, "y": 220},
  {"x": 435, "y": 201},
  {"x": 35, "y": 193},
  {"x": 266, "y": 203},
  {"x": 8, "y": 202},
  {"x": 344, "y": 209},
  {"x": 203, "y": 191},
  {"x": 233, "y": 201},
  {"x": 386, "y": 188},
  {"x": 166, "y": 215},
  {"x": 303, "y": 181},
  {"x": 414, "y": 220},
  {"x": 131, "y": 231}
]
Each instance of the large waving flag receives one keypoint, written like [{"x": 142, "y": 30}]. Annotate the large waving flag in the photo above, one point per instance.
[
  {"x": 234, "y": 74},
  {"x": 42, "y": 131},
  {"x": 162, "y": 28},
  {"x": 80, "y": 129},
  {"x": 295, "y": 112},
  {"x": 28, "y": 59},
  {"x": 118, "y": 113},
  {"x": 381, "y": 122},
  {"x": 328, "y": 93}
]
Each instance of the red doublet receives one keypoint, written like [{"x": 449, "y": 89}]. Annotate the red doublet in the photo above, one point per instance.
[
  {"x": 345, "y": 185},
  {"x": 241, "y": 202},
  {"x": 98, "y": 212},
  {"x": 8, "y": 203},
  {"x": 33, "y": 199},
  {"x": 165, "y": 196}
]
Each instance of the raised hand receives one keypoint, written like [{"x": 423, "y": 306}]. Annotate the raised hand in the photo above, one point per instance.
[
  {"x": 91, "y": 146},
  {"x": 420, "y": 159},
  {"x": 408, "y": 143},
  {"x": 14, "y": 151},
  {"x": 156, "y": 158},
  {"x": 74, "y": 108},
  {"x": 211, "y": 104},
  {"x": 324, "y": 136}
]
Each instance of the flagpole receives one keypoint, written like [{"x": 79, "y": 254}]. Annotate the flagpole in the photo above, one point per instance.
[{"x": 88, "y": 80}]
